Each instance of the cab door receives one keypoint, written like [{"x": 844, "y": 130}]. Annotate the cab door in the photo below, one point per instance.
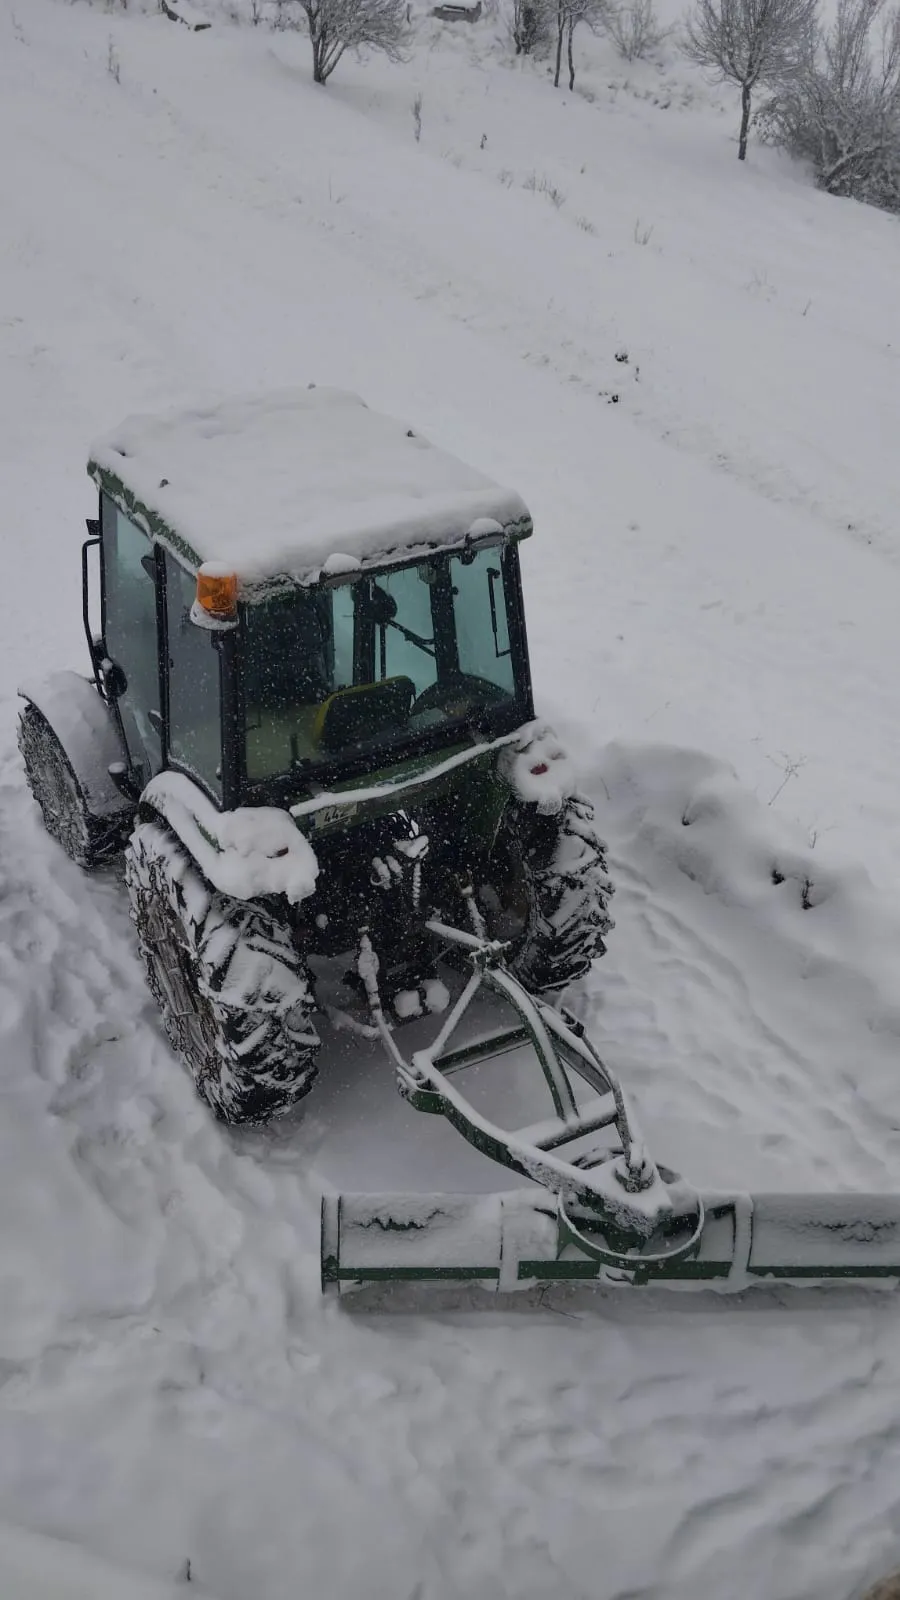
[{"x": 130, "y": 631}]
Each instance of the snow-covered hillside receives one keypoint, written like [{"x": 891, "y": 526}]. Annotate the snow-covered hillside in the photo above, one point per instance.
[{"x": 712, "y": 592}]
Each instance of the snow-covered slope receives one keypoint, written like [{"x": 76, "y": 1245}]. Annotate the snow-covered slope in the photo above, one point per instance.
[
  {"x": 34, "y": 1567},
  {"x": 715, "y": 571}
]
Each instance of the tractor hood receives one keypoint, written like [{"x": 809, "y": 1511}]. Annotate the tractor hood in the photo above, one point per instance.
[{"x": 401, "y": 785}]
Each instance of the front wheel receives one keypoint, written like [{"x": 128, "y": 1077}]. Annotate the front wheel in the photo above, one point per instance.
[
  {"x": 549, "y": 879},
  {"x": 233, "y": 991}
]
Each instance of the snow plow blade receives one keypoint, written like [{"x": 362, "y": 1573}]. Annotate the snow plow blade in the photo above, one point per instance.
[{"x": 520, "y": 1239}]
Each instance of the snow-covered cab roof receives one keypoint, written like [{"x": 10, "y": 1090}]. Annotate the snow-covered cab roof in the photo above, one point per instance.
[{"x": 296, "y": 485}]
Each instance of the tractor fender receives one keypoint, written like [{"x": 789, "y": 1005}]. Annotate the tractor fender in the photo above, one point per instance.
[
  {"x": 85, "y": 728},
  {"x": 247, "y": 853}
]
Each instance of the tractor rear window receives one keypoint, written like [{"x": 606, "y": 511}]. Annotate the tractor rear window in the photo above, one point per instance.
[{"x": 332, "y": 674}]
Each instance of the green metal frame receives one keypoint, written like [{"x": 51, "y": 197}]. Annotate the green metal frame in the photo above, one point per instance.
[
  {"x": 607, "y": 1216},
  {"x": 611, "y": 1200}
]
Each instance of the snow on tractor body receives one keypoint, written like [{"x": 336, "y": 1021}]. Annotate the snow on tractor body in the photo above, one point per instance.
[{"x": 309, "y": 723}]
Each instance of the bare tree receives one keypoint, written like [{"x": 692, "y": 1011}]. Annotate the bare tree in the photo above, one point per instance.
[
  {"x": 336, "y": 26},
  {"x": 842, "y": 113},
  {"x": 568, "y": 15},
  {"x": 530, "y": 25},
  {"x": 635, "y": 29},
  {"x": 750, "y": 42}
]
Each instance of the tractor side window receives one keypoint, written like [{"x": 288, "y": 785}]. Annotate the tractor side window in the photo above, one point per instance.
[
  {"x": 195, "y": 734},
  {"x": 130, "y": 631},
  {"x": 482, "y": 630}
]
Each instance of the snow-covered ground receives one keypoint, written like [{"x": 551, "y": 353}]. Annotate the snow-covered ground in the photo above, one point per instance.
[{"x": 713, "y": 595}]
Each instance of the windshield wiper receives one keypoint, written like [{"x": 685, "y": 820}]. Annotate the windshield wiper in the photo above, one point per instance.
[{"x": 414, "y": 638}]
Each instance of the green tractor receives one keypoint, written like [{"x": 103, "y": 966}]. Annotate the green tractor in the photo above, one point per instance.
[
  {"x": 309, "y": 725},
  {"x": 309, "y": 721}
]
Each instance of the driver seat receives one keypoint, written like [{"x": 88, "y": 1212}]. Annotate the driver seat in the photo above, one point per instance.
[{"x": 352, "y": 716}]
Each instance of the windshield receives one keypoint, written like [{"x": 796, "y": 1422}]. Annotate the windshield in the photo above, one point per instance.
[{"x": 330, "y": 674}]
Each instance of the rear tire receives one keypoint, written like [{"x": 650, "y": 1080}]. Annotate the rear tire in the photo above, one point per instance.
[
  {"x": 553, "y": 869},
  {"x": 233, "y": 991},
  {"x": 53, "y": 783}
]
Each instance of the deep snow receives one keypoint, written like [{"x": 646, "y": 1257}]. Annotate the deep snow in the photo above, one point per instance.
[{"x": 712, "y": 595}]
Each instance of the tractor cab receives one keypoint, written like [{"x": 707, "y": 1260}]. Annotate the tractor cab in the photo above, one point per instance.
[{"x": 264, "y": 660}]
